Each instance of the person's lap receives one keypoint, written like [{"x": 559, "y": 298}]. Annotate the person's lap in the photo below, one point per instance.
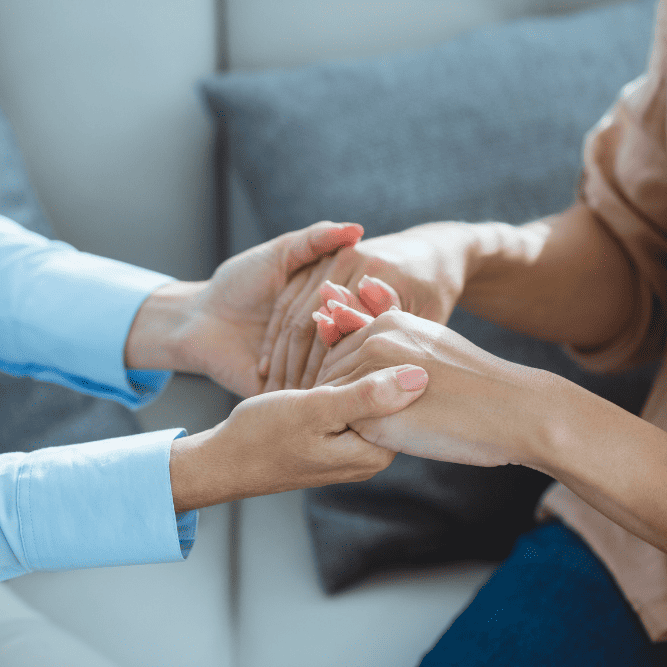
[{"x": 552, "y": 602}]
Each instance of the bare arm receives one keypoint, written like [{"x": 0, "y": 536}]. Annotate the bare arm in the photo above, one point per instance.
[
  {"x": 563, "y": 279},
  {"x": 615, "y": 461}
]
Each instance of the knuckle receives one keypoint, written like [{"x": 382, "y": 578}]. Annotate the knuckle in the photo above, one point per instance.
[
  {"x": 374, "y": 346},
  {"x": 391, "y": 318},
  {"x": 370, "y": 391}
]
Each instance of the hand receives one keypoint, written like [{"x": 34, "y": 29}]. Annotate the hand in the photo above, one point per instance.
[
  {"x": 478, "y": 409},
  {"x": 290, "y": 440},
  {"x": 216, "y": 327},
  {"x": 351, "y": 314},
  {"x": 427, "y": 265}
]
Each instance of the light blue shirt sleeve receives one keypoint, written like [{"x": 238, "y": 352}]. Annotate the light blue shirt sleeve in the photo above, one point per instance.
[
  {"x": 64, "y": 318},
  {"x": 91, "y": 505}
]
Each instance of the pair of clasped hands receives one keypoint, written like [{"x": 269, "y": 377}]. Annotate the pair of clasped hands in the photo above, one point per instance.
[{"x": 360, "y": 325}]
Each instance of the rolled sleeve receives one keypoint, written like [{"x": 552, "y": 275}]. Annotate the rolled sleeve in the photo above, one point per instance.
[
  {"x": 65, "y": 316},
  {"x": 91, "y": 505},
  {"x": 624, "y": 184}
]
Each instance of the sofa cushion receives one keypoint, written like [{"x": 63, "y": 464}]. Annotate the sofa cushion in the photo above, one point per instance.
[
  {"x": 39, "y": 414},
  {"x": 486, "y": 126},
  {"x": 286, "y": 620}
]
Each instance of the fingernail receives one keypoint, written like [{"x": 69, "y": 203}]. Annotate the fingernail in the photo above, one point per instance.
[
  {"x": 412, "y": 379},
  {"x": 372, "y": 289},
  {"x": 354, "y": 225},
  {"x": 319, "y": 317},
  {"x": 351, "y": 233},
  {"x": 336, "y": 289},
  {"x": 332, "y": 303},
  {"x": 263, "y": 367}
]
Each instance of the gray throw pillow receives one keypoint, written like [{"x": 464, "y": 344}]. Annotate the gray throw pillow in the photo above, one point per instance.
[
  {"x": 486, "y": 126},
  {"x": 39, "y": 414}
]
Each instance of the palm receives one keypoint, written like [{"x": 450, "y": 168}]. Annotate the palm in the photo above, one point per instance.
[
  {"x": 240, "y": 299},
  {"x": 229, "y": 320}
]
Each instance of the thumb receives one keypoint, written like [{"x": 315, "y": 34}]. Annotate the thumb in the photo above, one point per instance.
[
  {"x": 378, "y": 394},
  {"x": 323, "y": 238}
]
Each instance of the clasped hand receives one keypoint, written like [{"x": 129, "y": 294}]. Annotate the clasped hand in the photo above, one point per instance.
[
  {"x": 478, "y": 409},
  {"x": 426, "y": 267}
]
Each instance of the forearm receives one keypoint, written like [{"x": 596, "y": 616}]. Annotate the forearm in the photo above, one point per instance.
[
  {"x": 612, "y": 459},
  {"x": 562, "y": 279}
]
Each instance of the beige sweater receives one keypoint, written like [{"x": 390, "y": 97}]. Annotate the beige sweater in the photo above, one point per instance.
[{"x": 625, "y": 184}]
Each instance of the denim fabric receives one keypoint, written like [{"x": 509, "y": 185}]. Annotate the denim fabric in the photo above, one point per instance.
[{"x": 552, "y": 602}]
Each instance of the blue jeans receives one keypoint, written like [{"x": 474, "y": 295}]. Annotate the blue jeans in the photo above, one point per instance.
[{"x": 552, "y": 602}]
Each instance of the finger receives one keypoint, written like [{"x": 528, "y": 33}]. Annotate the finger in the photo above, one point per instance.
[
  {"x": 280, "y": 309},
  {"x": 323, "y": 238},
  {"x": 302, "y": 333},
  {"x": 350, "y": 443},
  {"x": 347, "y": 319},
  {"x": 327, "y": 330},
  {"x": 345, "y": 352},
  {"x": 329, "y": 290},
  {"x": 330, "y": 336},
  {"x": 378, "y": 394},
  {"x": 377, "y": 295},
  {"x": 297, "y": 333}
]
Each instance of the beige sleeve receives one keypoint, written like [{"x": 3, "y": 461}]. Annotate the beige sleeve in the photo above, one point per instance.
[{"x": 624, "y": 182}]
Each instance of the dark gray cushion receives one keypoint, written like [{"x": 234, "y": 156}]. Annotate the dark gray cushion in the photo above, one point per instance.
[
  {"x": 39, "y": 414},
  {"x": 485, "y": 126}
]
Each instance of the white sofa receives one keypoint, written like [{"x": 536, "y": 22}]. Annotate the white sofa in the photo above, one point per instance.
[{"x": 102, "y": 97}]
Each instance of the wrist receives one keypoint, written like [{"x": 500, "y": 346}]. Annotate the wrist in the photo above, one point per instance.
[
  {"x": 156, "y": 337},
  {"x": 445, "y": 256},
  {"x": 557, "y": 411},
  {"x": 188, "y": 472}
]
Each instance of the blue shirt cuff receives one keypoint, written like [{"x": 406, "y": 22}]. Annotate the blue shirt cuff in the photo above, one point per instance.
[
  {"x": 95, "y": 504},
  {"x": 65, "y": 316}
]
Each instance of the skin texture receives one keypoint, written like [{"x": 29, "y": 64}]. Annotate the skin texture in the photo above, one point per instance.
[
  {"x": 291, "y": 440},
  {"x": 274, "y": 442},
  {"x": 216, "y": 327},
  {"x": 505, "y": 413},
  {"x": 478, "y": 409},
  {"x": 563, "y": 279},
  {"x": 425, "y": 265}
]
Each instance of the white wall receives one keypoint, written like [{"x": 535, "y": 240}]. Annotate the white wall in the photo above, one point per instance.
[{"x": 101, "y": 95}]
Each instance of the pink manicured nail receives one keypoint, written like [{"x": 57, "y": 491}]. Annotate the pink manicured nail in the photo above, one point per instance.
[
  {"x": 351, "y": 233},
  {"x": 412, "y": 379},
  {"x": 373, "y": 290},
  {"x": 319, "y": 317},
  {"x": 332, "y": 303},
  {"x": 336, "y": 289}
]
